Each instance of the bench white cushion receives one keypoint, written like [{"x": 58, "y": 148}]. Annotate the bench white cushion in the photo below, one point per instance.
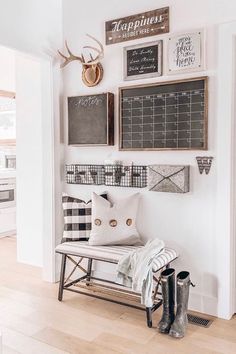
[{"x": 112, "y": 254}]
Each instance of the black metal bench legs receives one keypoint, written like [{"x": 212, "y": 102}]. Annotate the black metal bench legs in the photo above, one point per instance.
[
  {"x": 88, "y": 277},
  {"x": 62, "y": 277},
  {"x": 149, "y": 316},
  {"x": 149, "y": 312},
  {"x": 89, "y": 270}
]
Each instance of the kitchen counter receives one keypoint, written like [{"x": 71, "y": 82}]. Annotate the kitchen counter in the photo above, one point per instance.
[
  {"x": 7, "y": 173},
  {"x": 7, "y": 206}
]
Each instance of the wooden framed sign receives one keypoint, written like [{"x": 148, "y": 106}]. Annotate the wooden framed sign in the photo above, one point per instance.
[
  {"x": 186, "y": 52},
  {"x": 141, "y": 25},
  {"x": 164, "y": 116},
  {"x": 143, "y": 61},
  {"x": 91, "y": 120}
]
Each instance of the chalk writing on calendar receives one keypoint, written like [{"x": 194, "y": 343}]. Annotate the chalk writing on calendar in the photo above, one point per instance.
[{"x": 164, "y": 116}]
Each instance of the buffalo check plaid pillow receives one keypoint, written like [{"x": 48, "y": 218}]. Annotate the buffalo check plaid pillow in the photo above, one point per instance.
[{"x": 77, "y": 218}]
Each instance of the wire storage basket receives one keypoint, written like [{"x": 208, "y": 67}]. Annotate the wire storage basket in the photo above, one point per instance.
[
  {"x": 118, "y": 175},
  {"x": 139, "y": 176},
  {"x": 109, "y": 175},
  {"x": 126, "y": 176},
  {"x": 85, "y": 174}
]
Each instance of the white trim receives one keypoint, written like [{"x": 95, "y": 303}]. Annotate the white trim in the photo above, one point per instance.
[
  {"x": 52, "y": 155},
  {"x": 48, "y": 172},
  {"x": 225, "y": 206},
  {"x": 233, "y": 194}
]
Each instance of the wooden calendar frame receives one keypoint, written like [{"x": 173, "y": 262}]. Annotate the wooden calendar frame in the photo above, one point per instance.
[{"x": 205, "y": 115}]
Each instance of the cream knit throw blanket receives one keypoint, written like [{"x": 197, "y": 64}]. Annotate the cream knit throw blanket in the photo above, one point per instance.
[{"x": 134, "y": 269}]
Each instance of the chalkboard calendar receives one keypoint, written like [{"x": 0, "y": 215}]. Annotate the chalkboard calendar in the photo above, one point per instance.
[{"x": 170, "y": 115}]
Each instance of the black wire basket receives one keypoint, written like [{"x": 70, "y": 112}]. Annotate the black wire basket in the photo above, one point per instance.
[
  {"x": 85, "y": 174},
  {"x": 109, "y": 175}
]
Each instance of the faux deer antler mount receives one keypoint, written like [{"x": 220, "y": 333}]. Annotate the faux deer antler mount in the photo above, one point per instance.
[{"x": 92, "y": 72}]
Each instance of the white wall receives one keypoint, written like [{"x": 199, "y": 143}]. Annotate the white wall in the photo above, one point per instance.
[
  {"x": 29, "y": 160},
  {"x": 30, "y": 26},
  {"x": 7, "y": 69},
  {"x": 187, "y": 222}
]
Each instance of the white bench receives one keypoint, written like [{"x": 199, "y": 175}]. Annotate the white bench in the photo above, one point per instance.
[{"x": 78, "y": 250}]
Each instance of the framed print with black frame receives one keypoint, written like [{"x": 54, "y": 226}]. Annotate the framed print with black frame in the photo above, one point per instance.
[
  {"x": 169, "y": 115},
  {"x": 143, "y": 60}
]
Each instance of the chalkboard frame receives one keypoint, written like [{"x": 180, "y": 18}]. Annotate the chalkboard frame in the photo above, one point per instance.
[
  {"x": 109, "y": 122},
  {"x": 159, "y": 58},
  {"x": 205, "y": 136}
]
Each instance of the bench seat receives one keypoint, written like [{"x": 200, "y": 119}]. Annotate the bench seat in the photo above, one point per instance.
[{"x": 112, "y": 254}]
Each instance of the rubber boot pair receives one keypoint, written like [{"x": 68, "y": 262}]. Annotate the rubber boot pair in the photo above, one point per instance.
[{"x": 170, "y": 323}]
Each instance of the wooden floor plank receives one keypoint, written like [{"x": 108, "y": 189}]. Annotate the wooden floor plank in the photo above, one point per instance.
[
  {"x": 34, "y": 322},
  {"x": 71, "y": 343}
]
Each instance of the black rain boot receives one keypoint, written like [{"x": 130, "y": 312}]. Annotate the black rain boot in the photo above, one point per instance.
[
  {"x": 178, "y": 328},
  {"x": 168, "y": 295}
]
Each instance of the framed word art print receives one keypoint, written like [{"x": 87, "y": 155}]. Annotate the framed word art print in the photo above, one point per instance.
[
  {"x": 186, "y": 52},
  {"x": 143, "y": 61}
]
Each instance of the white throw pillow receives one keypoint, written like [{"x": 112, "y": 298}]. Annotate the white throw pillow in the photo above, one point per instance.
[{"x": 114, "y": 224}]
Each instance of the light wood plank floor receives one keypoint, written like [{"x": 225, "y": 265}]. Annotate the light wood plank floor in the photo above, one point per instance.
[{"x": 32, "y": 321}]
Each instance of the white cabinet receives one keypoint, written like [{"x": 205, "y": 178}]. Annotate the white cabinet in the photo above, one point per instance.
[{"x": 7, "y": 221}]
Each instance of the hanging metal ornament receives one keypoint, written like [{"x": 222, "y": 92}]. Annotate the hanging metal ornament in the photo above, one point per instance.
[{"x": 204, "y": 163}]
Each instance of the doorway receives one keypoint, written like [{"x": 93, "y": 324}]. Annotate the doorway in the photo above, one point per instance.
[
  {"x": 35, "y": 160},
  {"x": 7, "y": 164}
]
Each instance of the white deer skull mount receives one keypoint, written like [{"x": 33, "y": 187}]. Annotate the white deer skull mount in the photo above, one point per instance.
[{"x": 92, "y": 72}]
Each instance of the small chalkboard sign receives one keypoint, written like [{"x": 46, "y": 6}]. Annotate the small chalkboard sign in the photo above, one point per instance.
[
  {"x": 143, "y": 61},
  {"x": 91, "y": 120}
]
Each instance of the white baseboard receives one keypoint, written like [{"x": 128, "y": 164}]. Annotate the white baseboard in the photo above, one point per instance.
[
  {"x": 203, "y": 303},
  {"x": 197, "y": 302}
]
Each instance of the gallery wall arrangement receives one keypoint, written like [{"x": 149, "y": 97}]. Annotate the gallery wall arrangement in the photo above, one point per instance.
[{"x": 162, "y": 115}]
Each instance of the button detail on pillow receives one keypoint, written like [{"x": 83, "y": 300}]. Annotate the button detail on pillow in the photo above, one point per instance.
[
  {"x": 129, "y": 222},
  {"x": 97, "y": 222},
  {"x": 114, "y": 224}
]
